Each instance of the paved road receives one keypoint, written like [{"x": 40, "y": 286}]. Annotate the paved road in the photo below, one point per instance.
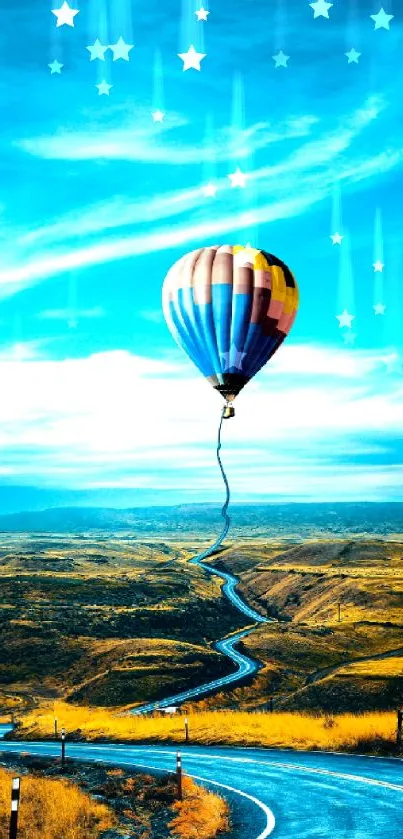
[
  {"x": 296, "y": 795},
  {"x": 245, "y": 666}
]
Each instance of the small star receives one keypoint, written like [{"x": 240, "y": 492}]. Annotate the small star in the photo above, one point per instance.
[
  {"x": 280, "y": 59},
  {"x": 378, "y": 265},
  {"x": 158, "y": 116},
  {"x": 233, "y": 358},
  {"x": 245, "y": 257},
  {"x": 382, "y": 19},
  {"x": 55, "y": 67},
  {"x": 65, "y": 15},
  {"x": 121, "y": 50},
  {"x": 191, "y": 59},
  {"x": 349, "y": 337},
  {"x": 104, "y": 88},
  {"x": 320, "y": 8},
  {"x": 345, "y": 319},
  {"x": 97, "y": 50},
  {"x": 237, "y": 178},
  {"x": 336, "y": 238},
  {"x": 210, "y": 190},
  {"x": 352, "y": 56},
  {"x": 379, "y": 308},
  {"x": 202, "y": 14}
]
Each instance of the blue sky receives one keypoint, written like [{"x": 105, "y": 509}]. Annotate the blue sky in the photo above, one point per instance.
[{"x": 98, "y": 200}]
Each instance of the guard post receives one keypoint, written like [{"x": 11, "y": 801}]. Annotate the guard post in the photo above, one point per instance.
[
  {"x": 63, "y": 747},
  {"x": 186, "y": 730},
  {"x": 179, "y": 775},
  {"x": 55, "y": 728},
  {"x": 15, "y": 801}
]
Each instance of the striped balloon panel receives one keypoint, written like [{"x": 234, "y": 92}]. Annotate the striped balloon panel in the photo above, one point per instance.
[{"x": 230, "y": 308}]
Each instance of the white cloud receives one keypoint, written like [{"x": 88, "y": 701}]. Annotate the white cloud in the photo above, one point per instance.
[
  {"x": 312, "y": 164},
  {"x": 143, "y": 141},
  {"x": 120, "y": 420}
]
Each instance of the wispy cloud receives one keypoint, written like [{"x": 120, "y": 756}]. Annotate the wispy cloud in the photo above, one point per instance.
[
  {"x": 142, "y": 141},
  {"x": 311, "y": 166},
  {"x": 68, "y": 314},
  {"x": 114, "y": 419}
]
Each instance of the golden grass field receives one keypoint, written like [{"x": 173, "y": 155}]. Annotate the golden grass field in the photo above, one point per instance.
[
  {"x": 348, "y": 732},
  {"x": 53, "y": 809},
  {"x": 201, "y": 814}
]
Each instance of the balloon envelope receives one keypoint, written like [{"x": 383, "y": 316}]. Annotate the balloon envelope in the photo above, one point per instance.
[{"x": 229, "y": 308}]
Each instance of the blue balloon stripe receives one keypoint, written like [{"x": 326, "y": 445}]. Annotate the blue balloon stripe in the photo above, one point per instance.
[
  {"x": 266, "y": 349},
  {"x": 187, "y": 310},
  {"x": 222, "y": 312},
  {"x": 241, "y": 312},
  {"x": 204, "y": 313},
  {"x": 185, "y": 341}
]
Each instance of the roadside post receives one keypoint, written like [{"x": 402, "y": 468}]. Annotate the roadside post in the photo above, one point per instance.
[
  {"x": 339, "y": 612},
  {"x": 179, "y": 774},
  {"x": 55, "y": 728},
  {"x": 399, "y": 732},
  {"x": 15, "y": 801},
  {"x": 63, "y": 747},
  {"x": 186, "y": 730}
]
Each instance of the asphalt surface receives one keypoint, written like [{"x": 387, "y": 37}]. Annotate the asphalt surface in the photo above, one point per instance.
[
  {"x": 245, "y": 666},
  {"x": 294, "y": 795}
]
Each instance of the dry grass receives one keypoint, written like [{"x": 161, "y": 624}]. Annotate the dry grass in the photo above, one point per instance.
[
  {"x": 348, "y": 732},
  {"x": 386, "y": 668},
  {"x": 201, "y": 814},
  {"x": 52, "y": 809}
]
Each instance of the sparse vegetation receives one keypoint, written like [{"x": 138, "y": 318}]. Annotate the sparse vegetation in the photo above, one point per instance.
[
  {"x": 106, "y": 621},
  {"x": 135, "y": 804},
  {"x": 201, "y": 814},
  {"x": 350, "y": 732},
  {"x": 53, "y": 809}
]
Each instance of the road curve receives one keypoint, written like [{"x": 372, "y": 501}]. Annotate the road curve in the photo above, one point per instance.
[
  {"x": 299, "y": 795},
  {"x": 245, "y": 666}
]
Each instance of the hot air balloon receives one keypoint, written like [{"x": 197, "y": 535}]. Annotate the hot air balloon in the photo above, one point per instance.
[{"x": 229, "y": 308}]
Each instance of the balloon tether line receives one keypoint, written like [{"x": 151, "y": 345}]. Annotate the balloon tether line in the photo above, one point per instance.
[{"x": 224, "y": 511}]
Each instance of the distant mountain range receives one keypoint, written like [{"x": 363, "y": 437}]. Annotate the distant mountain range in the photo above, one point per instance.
[{"x": 202, "y": 520}]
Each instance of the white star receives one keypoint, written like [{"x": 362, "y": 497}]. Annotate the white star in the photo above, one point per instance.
[
  {"x": 349, "y": 337},
  {"x": 378, "y": 265},
  {"x": 244, "y": 257},
  {"x": 210, "y": 190},
  {"x": 72, "y": 323},
  {"x": 97, "y": 50},
  {"x": 191, "y": 59},
  {"x": 345, "y": 319},
  {"x": 379, "y": 308},
  {"x": 280, "y": 59},
  {"x": 158, "y": 116},
  {"x": 352, "y": 56},
  {"x": 55, "y": 67},
  {"x": 237, "y": 178},
  {"x": 233, "y": 358},
  {"x": 320, "y": 8},
  {"x": 202, "y": 14},
  {"x": 382, "y": 19},
  {"x": 336, "y": 238},
  {"x": 121, "y": 50},
  {"x": 104, "y": 88},
  {"x": 65, "y": 15}
]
